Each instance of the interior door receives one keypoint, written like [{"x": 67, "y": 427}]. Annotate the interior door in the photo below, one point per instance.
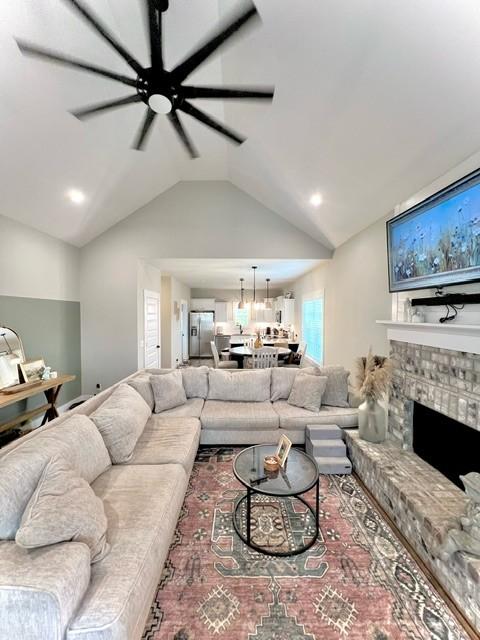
[{"x": 152, "y": 329}]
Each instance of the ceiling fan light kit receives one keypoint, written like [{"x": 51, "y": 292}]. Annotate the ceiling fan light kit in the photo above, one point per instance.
[{"x": 162, "y": 91}]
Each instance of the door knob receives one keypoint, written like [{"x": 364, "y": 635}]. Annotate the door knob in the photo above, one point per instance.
[{"x": 158, "y": 346}]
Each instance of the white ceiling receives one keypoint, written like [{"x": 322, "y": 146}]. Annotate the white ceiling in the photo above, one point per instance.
[
  {"x": 226, "y": 274},
  {"x": 374, "y": 99}
]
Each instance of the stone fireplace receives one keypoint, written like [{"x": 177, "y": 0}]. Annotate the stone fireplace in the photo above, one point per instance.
[{"x": 435, "y": 395}]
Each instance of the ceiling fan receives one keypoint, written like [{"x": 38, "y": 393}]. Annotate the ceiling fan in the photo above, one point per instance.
[{"x": 162, "y": 91}]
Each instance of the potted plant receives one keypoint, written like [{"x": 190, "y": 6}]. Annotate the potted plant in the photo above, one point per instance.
[{"x": 373, "y": 377}]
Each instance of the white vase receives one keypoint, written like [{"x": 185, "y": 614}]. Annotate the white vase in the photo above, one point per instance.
[{"x": 372, "y": 421}]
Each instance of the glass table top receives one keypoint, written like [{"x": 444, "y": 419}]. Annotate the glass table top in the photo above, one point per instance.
[{"x": 299, "y": 474}]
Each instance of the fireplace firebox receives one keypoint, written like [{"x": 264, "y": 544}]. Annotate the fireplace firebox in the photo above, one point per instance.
[{"x": 450, "y": 446}]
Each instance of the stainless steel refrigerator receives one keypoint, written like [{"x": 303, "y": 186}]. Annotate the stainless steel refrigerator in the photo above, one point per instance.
[{"x": 202, "y": 325}]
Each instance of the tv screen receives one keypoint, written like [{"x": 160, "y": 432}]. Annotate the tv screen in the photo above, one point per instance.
[{"x": 437, "y": 242}]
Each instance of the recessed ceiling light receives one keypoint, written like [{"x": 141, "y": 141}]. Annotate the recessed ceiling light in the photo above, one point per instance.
[
  {"x": 76, "y": 196},
  {"x": 316, "y": 199}
]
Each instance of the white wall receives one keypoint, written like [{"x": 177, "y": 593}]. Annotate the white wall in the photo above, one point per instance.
[
  {"x": 191, "y": 220},
  {"x": 35, "y": 265},
  {"x": 179, "y": 292},
  {"x": 356, "y": 294}
]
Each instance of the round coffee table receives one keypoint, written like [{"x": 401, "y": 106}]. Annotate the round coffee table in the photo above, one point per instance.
[{"x": 299, "y": 475}]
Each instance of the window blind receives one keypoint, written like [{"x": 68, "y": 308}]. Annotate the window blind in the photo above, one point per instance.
[{"x": 312, "y": 328}]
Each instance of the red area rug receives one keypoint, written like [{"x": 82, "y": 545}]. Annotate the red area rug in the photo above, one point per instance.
[{"x": 357, "y": 582}]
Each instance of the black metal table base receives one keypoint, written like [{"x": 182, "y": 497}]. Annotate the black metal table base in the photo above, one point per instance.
[{"x": 247, "y": 539}]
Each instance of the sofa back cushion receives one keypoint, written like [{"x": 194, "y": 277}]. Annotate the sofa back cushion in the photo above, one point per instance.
[
  {"x": 195, "y": 382},
  {"x": 283, "y": 379},
  {"x": 240, "y": 386},
  {"x": 76, "y": 439},
  {"x": 121, "y": 420}
]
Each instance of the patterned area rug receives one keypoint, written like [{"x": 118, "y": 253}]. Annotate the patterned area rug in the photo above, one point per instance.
[{"x": 357, "y": 581}]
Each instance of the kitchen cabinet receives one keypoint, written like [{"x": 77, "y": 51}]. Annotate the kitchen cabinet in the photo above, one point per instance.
[
  {"x": 221, "y": 311},
  {"x": 202, "y": 304},
  {"x": 287, "y": 307}
]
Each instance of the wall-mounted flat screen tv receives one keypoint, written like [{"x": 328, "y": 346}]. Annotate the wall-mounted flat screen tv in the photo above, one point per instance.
[{"x": 437, "y": 242}]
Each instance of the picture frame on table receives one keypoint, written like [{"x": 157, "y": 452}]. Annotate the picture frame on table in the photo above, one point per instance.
[
  {"x": 283, "y": 449},
  {"x": 32, "y": 370}
]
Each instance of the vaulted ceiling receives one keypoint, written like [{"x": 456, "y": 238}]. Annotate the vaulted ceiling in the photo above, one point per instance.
[{"x": 374, "y": 99}]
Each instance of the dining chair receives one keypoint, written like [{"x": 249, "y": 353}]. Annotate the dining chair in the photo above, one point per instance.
[
  {"x": 221, "y": 364},
  {"x": 264, "y": 358},
  {"x": 297, "y": 358}
]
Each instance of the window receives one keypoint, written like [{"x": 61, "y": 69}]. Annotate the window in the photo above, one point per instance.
[
  {"x": 241, "y": 317},
  {"x": 312, "y": 328}
]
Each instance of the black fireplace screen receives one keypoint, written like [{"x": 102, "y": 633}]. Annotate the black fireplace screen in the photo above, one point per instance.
[{"x": 450, "y": 446}]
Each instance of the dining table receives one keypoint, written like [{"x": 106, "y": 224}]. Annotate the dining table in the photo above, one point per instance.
[{"x": 239, "y": 353}]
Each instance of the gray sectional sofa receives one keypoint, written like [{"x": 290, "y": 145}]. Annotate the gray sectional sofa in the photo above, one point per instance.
[{"x": 54, "y": 592}]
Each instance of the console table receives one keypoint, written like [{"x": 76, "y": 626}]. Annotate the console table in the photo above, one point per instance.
[{"x": 51, "y": 389}]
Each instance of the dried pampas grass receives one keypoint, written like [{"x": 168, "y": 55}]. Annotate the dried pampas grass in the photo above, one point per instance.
[{"x": 373, "y": 376}]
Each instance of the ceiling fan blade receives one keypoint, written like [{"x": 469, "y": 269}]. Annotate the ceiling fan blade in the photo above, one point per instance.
[
  {"x": 155, "y": 33},
  {"x": 210, "y": 122},
  {"x": 246, "y": 93},
  {"x": 106, "y": 35},
  {"x": 182, "y": 134},
  {"x": 206, "y": 49},
  {"x": 68, "y": 61},
  {"x": 144, "y": 129},
  {"x": 104, "y": 106}
]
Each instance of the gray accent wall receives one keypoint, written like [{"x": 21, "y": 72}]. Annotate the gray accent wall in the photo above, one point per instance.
[{"x": 49, "y": 329}]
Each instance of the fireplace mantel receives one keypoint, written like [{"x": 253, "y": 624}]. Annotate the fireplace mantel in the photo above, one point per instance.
[{"x": 457, "y": 337}]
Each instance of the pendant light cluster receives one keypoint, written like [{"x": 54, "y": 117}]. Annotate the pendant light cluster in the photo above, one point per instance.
[{"x": 256, "y": 305}]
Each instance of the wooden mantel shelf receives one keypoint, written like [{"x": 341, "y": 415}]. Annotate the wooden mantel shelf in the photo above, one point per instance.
[{"x": 454, "y": 336}]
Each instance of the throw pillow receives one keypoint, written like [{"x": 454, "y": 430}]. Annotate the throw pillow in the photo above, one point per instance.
[
  {"x": 336, "y": 393},
  {"x": 63, "y": 508},
  {"x": 168, "y": 391},
  {"x": 307, "y": 392},
  {"x": 195, "y": 382},
  {"x": 282, "y": 380},
  {"x": 121, "y": 420},
  {"x": 142, "y": 385}
]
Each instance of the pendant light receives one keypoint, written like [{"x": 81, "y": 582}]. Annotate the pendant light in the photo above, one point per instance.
[
  {"x": 241, "y": 304},
  {"x": 268, "y": 302}
]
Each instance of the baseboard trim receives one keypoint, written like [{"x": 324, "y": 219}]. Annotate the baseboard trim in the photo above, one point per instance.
[{"x": 451, "y": 604}]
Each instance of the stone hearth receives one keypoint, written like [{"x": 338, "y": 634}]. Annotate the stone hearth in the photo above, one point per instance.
[{"x": 422, "y": 502}]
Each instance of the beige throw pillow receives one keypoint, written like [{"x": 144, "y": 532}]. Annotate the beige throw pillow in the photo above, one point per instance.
[
  {"x": 283, "y": 378},
  {"x": 336, "y": 392},
  {"x": 142, "y": 385},
  {"x": 307, "y": 391},
  {"x": 63, "y": 508},
  {"x": 168, "y": 391},
  {"x": 121, "y": 420}
]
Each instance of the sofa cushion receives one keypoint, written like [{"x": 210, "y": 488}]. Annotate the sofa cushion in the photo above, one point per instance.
[
  {"x": 41, "y": 589},
  {"x": 283, "y": 378},
  {"x": 142, "y": 503},
  {"x": 195, "y": 382},
  {"x": 167, "y": 440},
  {"x": 250, "y": 416},
  {"x": 63, "y": 508},
  {"x": 191, "y": 409},
  {"x": 307, "y": 391},
  {"x": 240, "y": 386},
  {"x": 168, "y": 391},
  {"x": 121, "y": 419},
  {"x": 76, "y": 439},
  {"x": 336, "y": 392},
  {"x": 141, "y": 384},
  {"x": 296, "y": 418}
]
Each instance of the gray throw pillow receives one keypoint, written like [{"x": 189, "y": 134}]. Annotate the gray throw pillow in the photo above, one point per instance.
[
  {"x": 283, "y": 378},
  {"x": 121, "y": 420},
  {"x": 142, "y": 385},
  {"x": 63, "y": 508},
  {"x": 336, "y": 393},
  {"x": 168, "y": 391},
  {"x": 307, "y": 392}
]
